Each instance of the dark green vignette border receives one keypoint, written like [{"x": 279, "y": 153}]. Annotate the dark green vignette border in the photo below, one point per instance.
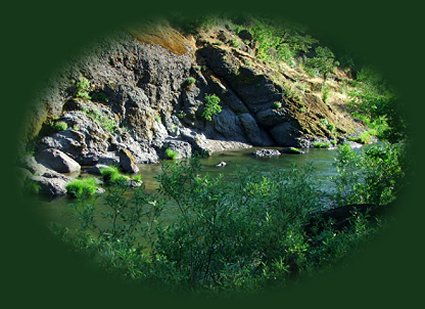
[{"x": 37, "y": 38}]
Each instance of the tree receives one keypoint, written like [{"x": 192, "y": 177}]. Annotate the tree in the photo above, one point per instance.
[{"x": 324, "y": 61}]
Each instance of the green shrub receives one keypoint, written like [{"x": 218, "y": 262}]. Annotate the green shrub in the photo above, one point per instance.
[
  {"x": 323, "y": 61},
  {"x": 239, "y": 235},
  {"x": 329, "y": 125},
  {"x": 82, "y": 89},
  {"x": 137, "y": 178},
  {"x": 212, "y": 106},
  {"x": 189, "y": 83},
  {"x": 277, "y": 105},
  {"x": 295, "y": 150},
  {"x": 326, "y": 91},
  {"x": 107, "y": 123},
  {"x": 171, "y": 154},
  {"x": 112, "y": 175},
  {"x": 82, "y": 188},
  {"x": 60, "y": 126},
  {"x": 373, "y": 175},
  {"x": 321, "y": 144}
]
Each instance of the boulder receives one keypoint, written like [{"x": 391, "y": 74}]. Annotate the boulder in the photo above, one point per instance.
[
  {"x": 57, "y": 161},
  {"x": 50, "y": 187},
  {"x": 266, "y": 153},
  {"x": 96, "y": 170},
  {"x": 85, "y": 141},
  {"x": 183, "y": 149},
  {"x": 127, "y": 161},
  {"x": 30, "y": 164}
]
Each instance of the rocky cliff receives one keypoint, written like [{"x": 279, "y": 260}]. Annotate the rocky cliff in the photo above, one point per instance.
[{"x": 139, "y": 93}]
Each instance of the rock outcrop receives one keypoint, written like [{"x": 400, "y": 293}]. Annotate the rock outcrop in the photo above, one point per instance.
[{"x": 145, "y": 92}]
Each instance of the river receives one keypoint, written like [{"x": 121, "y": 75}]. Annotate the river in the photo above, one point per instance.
[{"x": 60, "y": 210}]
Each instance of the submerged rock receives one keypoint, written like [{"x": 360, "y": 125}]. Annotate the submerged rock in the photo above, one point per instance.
[{"x": 266, "y": 153}]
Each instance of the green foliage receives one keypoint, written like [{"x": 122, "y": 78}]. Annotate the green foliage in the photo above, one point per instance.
[
  {"x": 374, "y": 103},
  {"x": 236, "y": 43},
  {"x": 82, "y": 89},
  {"x": 277, "y": 41},
  {"x": 31, "y": 187},
  {"x": 60, "y": 126},
  {"x": 82, "y": 188},
  {"x": 295, "y": 150},
  {"x": 112, "y": 175},
  {"x": 107, "y": 123},
  {"x": 137, "y": 178},
  {"x": 277, "y": 105},
  {"x": 212, "y": 106},
  {"x": 321, "y": 144},
  {"x": 373, "y": 175},
  {"x": 171, "y": 154},
  {"x": 326, "y": 92},
  {"x": 100, "y": 96},
  {"x": 238, "y": 235},
  {"x": 324, "y": 61},
  {"x": 189, "y": 83},
  {"x": 329, "y": 125}
]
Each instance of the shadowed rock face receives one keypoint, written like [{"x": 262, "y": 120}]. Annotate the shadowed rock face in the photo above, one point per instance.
[{"x": 141, "y": 103}]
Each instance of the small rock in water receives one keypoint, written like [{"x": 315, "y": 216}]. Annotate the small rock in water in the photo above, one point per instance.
[
  {"x": 266, "y": 153},
  {"x": 221, "y": 164}
]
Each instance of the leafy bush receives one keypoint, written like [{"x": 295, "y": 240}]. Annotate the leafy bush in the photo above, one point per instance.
[
  {"x": 277, "y": 105},
  {"x": 277, "y": 41},
  {"x": 82, "y": 89},
  {"x": 375, "y": 104},
  {"x": 326, "y": 91},
  {"x": 107, "y": 123},
  {"x": 212, "y": 106},
  {"x": 112, "y": 175},
  {"x": 321, "y": 144},
  {"x": 189, "y": 83},
  {"x": 82, "y": 188},
  {"x": 60, "y": 126},
  {"x": 324, "y": 61},
  {"x": 171, "y": 154},
  {"x": 137, "y": 178},
  {"x": 374, "y": 175},
  {"x": 238, "y": 235}
]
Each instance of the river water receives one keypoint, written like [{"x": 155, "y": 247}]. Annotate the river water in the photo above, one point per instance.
[{"x": 60, "y": 210}]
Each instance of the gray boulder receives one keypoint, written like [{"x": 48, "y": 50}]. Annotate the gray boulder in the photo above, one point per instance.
[
  {"x": 58, "y": 161},
  {"x": 183, "y": 149},
  {"x": 128, "y": 162},
  {"x": 50, "y": 187}
]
